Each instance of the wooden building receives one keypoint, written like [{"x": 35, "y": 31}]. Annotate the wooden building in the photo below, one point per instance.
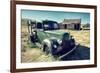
[{"x": 74, "y": 24}]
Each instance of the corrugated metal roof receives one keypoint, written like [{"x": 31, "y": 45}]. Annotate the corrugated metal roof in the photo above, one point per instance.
[{"x": 71, "y": 21}]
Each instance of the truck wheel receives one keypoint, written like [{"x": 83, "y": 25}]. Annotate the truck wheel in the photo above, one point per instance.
[
  {"x": 46, "y": 46},
  {"x": 46, "y": 49},
  {"x": 33, "y": 37}
]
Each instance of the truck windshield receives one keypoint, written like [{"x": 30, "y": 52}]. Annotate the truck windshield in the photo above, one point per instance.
[{"x": 51, "y": 26}]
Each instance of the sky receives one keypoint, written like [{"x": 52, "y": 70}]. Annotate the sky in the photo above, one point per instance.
[{"x": 58, "y": 16}]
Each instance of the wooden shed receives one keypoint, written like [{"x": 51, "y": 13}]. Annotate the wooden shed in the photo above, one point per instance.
[{"x": 74, "y": 24}]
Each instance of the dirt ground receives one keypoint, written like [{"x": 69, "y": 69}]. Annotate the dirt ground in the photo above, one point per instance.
[{"x": 29, "y": 53}]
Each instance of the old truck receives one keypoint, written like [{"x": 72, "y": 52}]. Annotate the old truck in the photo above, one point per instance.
[{"x": 52, "y": 40}]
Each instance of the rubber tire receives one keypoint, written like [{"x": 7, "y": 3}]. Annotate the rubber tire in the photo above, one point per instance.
[{"x": 46, "y": 49}]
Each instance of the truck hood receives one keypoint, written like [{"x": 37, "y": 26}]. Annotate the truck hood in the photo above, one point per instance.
[{"x": 56, "y": 32}]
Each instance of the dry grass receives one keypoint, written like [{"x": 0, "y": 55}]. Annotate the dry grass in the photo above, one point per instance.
[
  {"x": 36, "y": 55},
  {"x": 31, "y": 54},
  {"x": 82, "y": 36}
]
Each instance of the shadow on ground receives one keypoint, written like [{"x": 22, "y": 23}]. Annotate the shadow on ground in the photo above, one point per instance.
[{"x": 80, "y": 53}]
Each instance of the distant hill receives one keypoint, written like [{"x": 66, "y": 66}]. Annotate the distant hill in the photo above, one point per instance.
[{"x": 86, "y": 26}]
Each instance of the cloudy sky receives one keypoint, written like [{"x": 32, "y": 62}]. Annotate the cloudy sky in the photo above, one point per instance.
[{"x": 58, "y": 16}]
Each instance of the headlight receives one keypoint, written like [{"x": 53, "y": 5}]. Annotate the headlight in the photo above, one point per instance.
[
  {"x": 55, "y": 46},
  {"x": 59, "y": 41}
]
